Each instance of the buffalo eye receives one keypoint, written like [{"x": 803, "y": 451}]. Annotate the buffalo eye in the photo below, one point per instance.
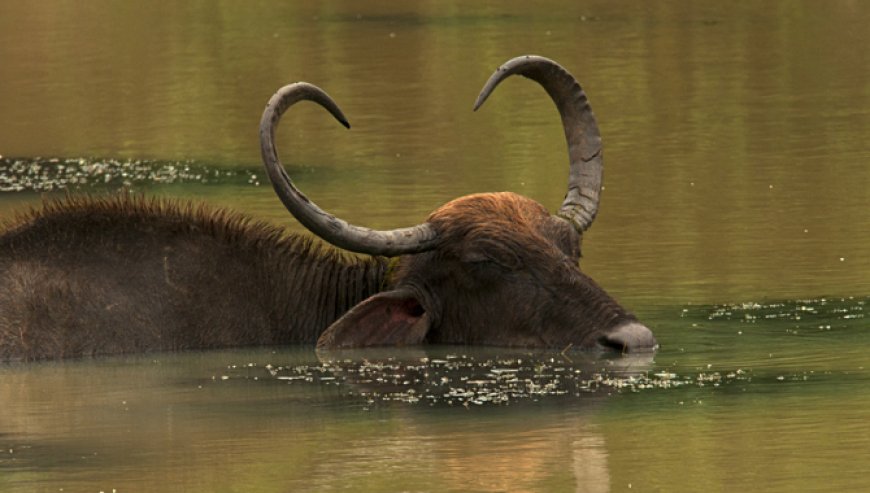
[
  {"x": 500, "y": 258},
  {"x": 474, "y": 257}
]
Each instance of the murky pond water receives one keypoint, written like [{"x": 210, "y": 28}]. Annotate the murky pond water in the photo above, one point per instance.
[{"x": 735, "y": 223}]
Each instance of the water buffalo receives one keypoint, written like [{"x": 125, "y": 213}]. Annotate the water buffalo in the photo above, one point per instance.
[{"x": 85, "y": 276}]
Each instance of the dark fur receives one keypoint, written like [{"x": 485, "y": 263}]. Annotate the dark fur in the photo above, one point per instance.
[
  {"x": 87, "y": 276},
  {"x": 90, "y": 276},
  {"x": 507, "y": 274}
]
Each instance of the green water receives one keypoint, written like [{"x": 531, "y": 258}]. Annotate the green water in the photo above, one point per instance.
[{"x": 734, "y": 222}]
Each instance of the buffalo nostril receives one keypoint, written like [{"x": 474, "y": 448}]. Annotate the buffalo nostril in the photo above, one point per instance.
[{"x": 628, "y": 338}]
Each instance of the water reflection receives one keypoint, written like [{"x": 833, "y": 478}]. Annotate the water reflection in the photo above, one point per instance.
[
  {"x": 552, "y": 445},
  {"x": 731, "y": 396},
  {"x": 143, "y": 423}
]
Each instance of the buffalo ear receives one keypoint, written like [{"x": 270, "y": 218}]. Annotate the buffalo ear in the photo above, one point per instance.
[{"x": 391, "y": 318}]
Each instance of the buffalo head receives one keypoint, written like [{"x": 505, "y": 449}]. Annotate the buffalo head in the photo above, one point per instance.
[{"x": 493, "y": 268}]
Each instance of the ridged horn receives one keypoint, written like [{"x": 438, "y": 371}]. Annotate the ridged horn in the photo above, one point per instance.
[
  {"x": 332, "y": 229},
  {"x": 581, "y": 131}
]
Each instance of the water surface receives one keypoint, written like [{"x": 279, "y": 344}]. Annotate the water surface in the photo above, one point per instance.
[{"x": 734, "y": 222}]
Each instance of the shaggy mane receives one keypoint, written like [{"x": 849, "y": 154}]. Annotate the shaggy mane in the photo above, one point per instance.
[
  {"x": 219, "y": 222},
  {"x": 300, "y": 283}
]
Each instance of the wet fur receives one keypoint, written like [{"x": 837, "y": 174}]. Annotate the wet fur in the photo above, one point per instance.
[
  {"x": 85, "y": 276},
  {"x": 510, "y": 271}
]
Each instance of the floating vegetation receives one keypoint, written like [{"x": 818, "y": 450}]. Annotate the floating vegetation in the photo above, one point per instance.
[
  {"x": 52, "y": 174},
  {"x": 472, "y": 381},
  {"x": 816, "y": 314},
  {"x": 712, "y": 362}
]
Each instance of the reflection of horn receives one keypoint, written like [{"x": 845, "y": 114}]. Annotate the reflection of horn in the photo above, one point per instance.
[
  {"x": 332, "y": 229},
  {"x": 581, "y": 132},
  {"x": 589, "y": 452}
]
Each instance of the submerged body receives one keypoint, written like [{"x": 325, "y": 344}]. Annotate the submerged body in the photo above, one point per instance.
[
  {"x": 98, "y": 276},
  {"x": 166, "y": 276},
  {"x": 126, "y": 274}
]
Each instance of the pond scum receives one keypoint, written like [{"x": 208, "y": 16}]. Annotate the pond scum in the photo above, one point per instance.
[
  {"x": 53, "y": 174},
  {"x": 805, "y": 314},
  {"x": 465, "y": 380}
]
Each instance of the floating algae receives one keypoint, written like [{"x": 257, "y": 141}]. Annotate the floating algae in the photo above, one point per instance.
[
  {"x": 53, "y": 174},
  {"x": 485, "y": 379}
]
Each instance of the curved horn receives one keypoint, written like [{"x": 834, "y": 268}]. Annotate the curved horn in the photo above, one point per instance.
[
  {"x": 581, "y": 132},
  {"x": 332, "y": 229}
]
